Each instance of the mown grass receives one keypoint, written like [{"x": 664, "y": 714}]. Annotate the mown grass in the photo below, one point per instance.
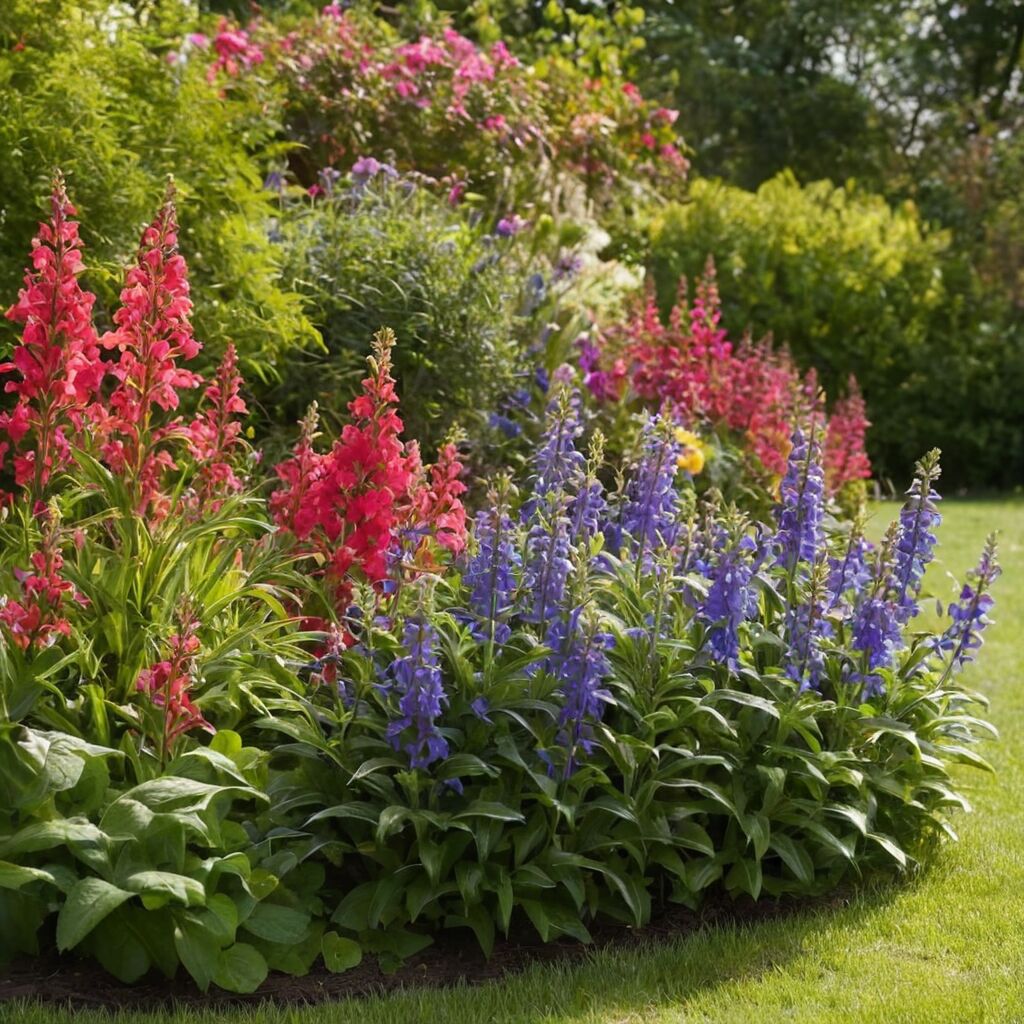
[{"x": 947, "y": 947}]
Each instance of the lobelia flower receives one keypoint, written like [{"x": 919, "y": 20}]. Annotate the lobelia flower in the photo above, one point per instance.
[
  {"x": 57, "y": 359},
  {"x": 558, "y": 466},
  {"x": 801, "y": 502},
  {"x": 806, "y": 628},
  {"x": 731, "y": 599},
  {"x": 417, "y": 676},
  {"x": 588, "y": 506},
  {"x": 915, "y": 542},
  {"x": 167, "y": 683},
  {"x": 650, "y": 510},
  {"x": 876, "y": 632},
  {"x": 582, "y": 671},
  {"x": 969, "y": 616},
  {"x": 851, "y": 573},
  {"x": 546, "y": 570},
  {"x": 490, "y": 572}
]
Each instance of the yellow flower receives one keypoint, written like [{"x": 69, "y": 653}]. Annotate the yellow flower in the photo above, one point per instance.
[{"x": 692, "y": 458}]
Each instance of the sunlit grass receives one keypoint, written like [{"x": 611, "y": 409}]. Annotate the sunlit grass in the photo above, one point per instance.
[{"x": 948, "y": 947}]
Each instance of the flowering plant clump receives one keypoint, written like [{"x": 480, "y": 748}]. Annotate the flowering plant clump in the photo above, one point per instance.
[
  {"x": 337, "y": 719},
  {"x": 751, "y": 393},
  {"x": 447, "y": 107}
]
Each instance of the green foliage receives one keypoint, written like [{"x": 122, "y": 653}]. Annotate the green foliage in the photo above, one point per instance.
[
  {"x": 399, "y": 255},
  {"x": 92, "y": 91}
]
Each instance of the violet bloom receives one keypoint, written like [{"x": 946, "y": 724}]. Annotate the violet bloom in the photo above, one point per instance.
[
  {"x": 730, "y": 601},
  {"x": 651, "y": 509},
  {"x": 850, "y": 573},
  {"x": 582, "y": 672},
  {"x": 328, "y": 176},
  {"x": 417, "y": 677},
  {"x": 916, "y": 540},
  {"x": 557, "y": 465},
  {"x": 509, "y": 227},
  {"x": 490, "y": 573},
  {"x": 802, "y": 502},
  {"x": 877, "y": 635},
  {"x": 368, "y": 167},
  {"x": 969, "y": 615},
  {"x": 547, "y": 570},
  {"x": 806, "y": 628}
]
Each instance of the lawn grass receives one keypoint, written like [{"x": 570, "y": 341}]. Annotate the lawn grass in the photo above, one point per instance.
[{"x": 947, "y": 947}]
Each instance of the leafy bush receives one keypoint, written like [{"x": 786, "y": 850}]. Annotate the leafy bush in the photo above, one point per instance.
[
  {"x": 848, "y": 283},
  {"x": 378, "y": 252},
  {"x": 441, "y": 105},
  {"x": 108, "y": 100},
  {"x": 591, "y": 704}
]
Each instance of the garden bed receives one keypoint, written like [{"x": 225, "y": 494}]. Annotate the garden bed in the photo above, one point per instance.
[{"x": 455, "y": 959}]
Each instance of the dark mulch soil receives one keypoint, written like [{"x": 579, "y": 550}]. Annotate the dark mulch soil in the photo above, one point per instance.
[{"x": 453, "y": 959}]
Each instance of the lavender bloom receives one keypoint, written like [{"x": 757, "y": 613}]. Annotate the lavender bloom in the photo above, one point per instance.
[
  {"x": 328, "y": 176},
  {"x": 557, "y": 464},
  {"x": 547, "y": 570},
  {"x": 582, "y": 671},
  {"x": 851, "y": 572},
  {"x": 490, "y": 572},
  {"x": 417, "y": 676},
  {"x": 509, "y": 227},
  {"x": 567, "y": 266},
  {"x": 916, "y": 541},
  {"x": 970, "y": 614},
  {"x": 507, "y": 426},
  {"x": 877, "y": 635},
  {"x": 802, "y": 504},
  {"x": 587, "y": 509},
  {"x": 806, "y": 627},
  {"x": 730, "y": 601},
  {"x": 651, "y": 509},
  {"x": 367, "y": 167}
]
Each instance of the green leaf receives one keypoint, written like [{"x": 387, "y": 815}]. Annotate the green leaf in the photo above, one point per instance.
[
  {"x": 340, "y": 954},
  {"x": 240, "y": 968},
  {"x": 890, "y": 847},
  {"x": 490, "y": 809},
  {"x": 276, "y": 923},
  {"x": 199, "y": 949},
  {"x": 185, "y": 890},
  {"x": 88, "y": 903},
  {"x": 745, "y": 875},
  {"x": 794, "y": 856}
]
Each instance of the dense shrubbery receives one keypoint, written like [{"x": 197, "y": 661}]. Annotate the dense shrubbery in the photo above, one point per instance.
[
  {"x": 240, "y": 733},
  {"x": 92, "y": 91},
  {"x": 744, "y": 398},
  {"x": 848, "y": 283}
]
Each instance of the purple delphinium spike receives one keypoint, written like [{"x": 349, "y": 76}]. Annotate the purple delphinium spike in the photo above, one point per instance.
[
  {"x": 916, "y": 540},
  {"x": 969, "y": 615},
  {"x": 490, "y": 572},
  {"x": 589, "y": 504},
  {"x": 730, "y": 599},
  {"x": 876, "y": 632},
  {"x": 546, "y": 570},
  {"x": 557, "y": 464},
  {"x": 582, "y": 672},
  {"x": 802, "y": 502},
  {"x": 851, "y": 573},
  {"x": 806, "y": 627},
  {"x": 417, "y": 677},
  {"x": 651, "y": 508}
]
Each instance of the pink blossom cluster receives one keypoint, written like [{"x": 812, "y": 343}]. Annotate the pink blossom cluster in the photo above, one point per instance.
[{"x": 754, "y": 391}]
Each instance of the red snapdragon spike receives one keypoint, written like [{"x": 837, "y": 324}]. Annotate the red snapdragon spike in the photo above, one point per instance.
[
  {"x": 845, "y": 457},
  {"x": 215, "y": 436},
  {"x": 350, "y": 506},
  {"x": 153, "y": 332},
  {"x": 56, "y": 365},
  {"x": 755, "y": 391},
  {"x": 167, "y": 683},
  {"x": 36, "y": 620}
]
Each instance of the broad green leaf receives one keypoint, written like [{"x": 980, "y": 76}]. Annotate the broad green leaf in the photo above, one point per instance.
[
  {"x": 88, "y": 903},
  {"x": 240, "y": 968},
  {"x": 276, "y": 923},
  {"x": 340, "y": 954}
]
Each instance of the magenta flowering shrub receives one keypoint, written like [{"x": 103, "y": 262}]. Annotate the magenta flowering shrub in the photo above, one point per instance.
[{"x": 474, "y": 118}]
